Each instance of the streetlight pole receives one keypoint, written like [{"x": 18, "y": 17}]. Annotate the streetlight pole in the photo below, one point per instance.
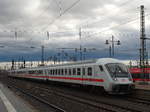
[
  {"x": 109, "y": 51},
  {"x": 113, "y": 51},
  {"x": 80, "y": 34},
  {"x": 42, "y": 56},
  {"x": 112, "y": 47}
]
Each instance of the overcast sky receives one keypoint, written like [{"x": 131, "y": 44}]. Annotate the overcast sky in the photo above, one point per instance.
[{"x": 24, "y": 25}]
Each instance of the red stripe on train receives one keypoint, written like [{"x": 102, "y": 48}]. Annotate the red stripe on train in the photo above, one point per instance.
[
  {"x": 138, "y": 79},
  {"x": 68, "y": 78},
  {"x": 139, "y": 70}
]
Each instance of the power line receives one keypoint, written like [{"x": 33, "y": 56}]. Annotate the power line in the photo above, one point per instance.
[
  {"x": 127, "y": 22},
  {"x": 45, "y": 10},
  {"x": 108, "y": 16},
  {"x": 66, "y": 10}
]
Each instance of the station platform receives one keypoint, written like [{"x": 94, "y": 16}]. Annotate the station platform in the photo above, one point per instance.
[{"x": 9, "y": 102}]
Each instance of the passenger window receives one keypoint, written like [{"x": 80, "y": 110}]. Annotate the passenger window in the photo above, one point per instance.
[
  {"x": 74, "y": 71},
  {"x": 101, "y": 68},
  {"x": 56, "y": 72},
  {"x": 83, "y": 71},
  {"x": 78, "y": 71},
  {"x": 51, "y": 72},
  {"x": 69, "y": 71},
  {"x": 62, "y": 72},
  {"x": 30, "y": 72},
  {"x": 89, "y": 71},
  {"x": 40, "y": 71},
  {"x": 66, "y": 72},
  {"x": 59, "y": 71}
]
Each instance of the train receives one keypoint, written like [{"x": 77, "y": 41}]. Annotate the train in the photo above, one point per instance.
[
  {"x": 107, "y": 73},
  {"x": 140, "y": 74}
]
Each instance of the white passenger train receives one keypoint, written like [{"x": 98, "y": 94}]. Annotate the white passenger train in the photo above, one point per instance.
[{"x": 108, "y": 73}]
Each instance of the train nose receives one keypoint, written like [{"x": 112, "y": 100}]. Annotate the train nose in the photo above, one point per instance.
[{"x": 122, "y": 88}]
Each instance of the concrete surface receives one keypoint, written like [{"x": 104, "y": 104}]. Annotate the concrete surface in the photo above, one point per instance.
[{"x": 9, "y": 102}]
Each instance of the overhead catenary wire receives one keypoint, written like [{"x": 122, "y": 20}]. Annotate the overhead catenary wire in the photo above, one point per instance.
[
  {"x": 77, "y": 1},
  {"x": 62, "y": 13},
  {"x": 42, "y": 32},
  {"x": 108, "y": 16},
  {"x": 115, "y": 26}
]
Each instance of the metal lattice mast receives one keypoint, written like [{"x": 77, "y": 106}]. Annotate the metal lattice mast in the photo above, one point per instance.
[{"x": 142, "y": 37}]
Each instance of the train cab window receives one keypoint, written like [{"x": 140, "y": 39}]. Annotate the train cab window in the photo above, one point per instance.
[
  {"x": 89, "y": 71},
  {"x": 78, "y": 71},
  {"x": 83, "y": 71},
  {"x": 74, "y": 71},
  {"x": 101, "y": 68},
  {"x": 70, "y": 72}
]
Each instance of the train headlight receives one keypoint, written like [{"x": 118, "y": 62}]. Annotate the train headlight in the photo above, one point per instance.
[{"x": 115, "y": 79}]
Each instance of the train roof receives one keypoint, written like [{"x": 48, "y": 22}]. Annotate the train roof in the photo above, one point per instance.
[
  {"x": 107, "y": 60},
  {"x": 94, "y": 61}
]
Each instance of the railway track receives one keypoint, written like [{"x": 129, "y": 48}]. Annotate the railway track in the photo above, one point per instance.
[
  {"x": 129, "y": 100},
  {"x": 94, "y": 103},
  {"x": 139, "y": 100},
  {"x": 136, "y": 101},
  {"x": 54, "y": 107},
  {"x": 45, "y": 92}
]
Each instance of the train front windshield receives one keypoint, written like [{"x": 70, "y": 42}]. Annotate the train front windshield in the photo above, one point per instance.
[{"x": 117, "y": 70}]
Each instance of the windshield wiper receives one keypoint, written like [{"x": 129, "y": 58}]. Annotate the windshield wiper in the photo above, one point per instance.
[{"x": 114, "y": 73}]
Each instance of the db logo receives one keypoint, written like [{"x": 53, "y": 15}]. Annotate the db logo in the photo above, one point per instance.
[{"x": 123, "y": 80}]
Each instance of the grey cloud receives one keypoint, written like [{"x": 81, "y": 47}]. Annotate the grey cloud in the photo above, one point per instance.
[{"x": 93, "y": 14}]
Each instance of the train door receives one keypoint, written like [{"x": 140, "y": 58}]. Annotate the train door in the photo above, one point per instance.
[
  {"x": 88, "y": 72},
  {"x": 105, "y": 77},
  {"x": 100, "y": 75},
  {"x": 83, "y": 73}
]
